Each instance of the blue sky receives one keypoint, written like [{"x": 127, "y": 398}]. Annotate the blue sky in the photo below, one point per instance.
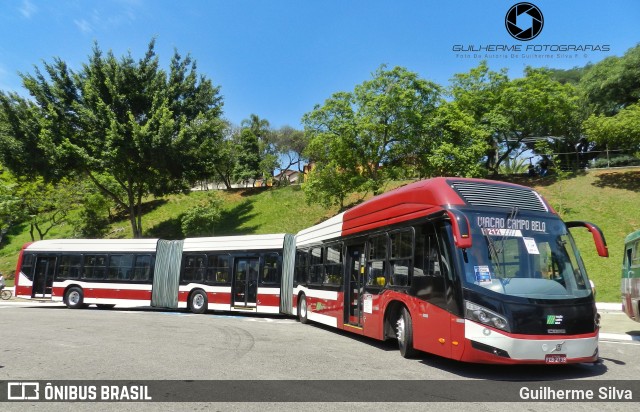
[{"x": 278, "y": 58}]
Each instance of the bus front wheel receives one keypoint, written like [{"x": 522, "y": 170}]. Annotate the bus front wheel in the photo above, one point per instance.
[
  {"x": 74, "y": 298},
  {"x": 404, "y": 332},
  {"x": 302, "y": 309}
]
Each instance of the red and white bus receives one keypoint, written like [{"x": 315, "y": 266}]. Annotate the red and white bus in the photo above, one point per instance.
[
  {"x": 468, "y": 269},
  {"x": 231, "y": 273}
]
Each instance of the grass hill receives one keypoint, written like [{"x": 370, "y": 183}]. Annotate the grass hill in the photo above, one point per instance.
[{"x": 607, "y": 198}]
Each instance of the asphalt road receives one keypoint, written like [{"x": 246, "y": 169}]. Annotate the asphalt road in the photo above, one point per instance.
[{"x": 55, "y": 343}]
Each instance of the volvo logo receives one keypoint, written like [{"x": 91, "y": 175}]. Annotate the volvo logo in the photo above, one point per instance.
[{"x": 524, "y": 21}]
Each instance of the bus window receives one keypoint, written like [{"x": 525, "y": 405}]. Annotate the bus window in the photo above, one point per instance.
[
  {"x": 401, "y": 257},
  {"x": 69, "y": 267},
  {"x": 142, "y": 268},
  {"x": 27, "y": 265},
  {"x": 218, "y": 269},
  {"x": 316, "y": 266},
  {"x": 120, "y": 267},
  {"x": 302, "y": 268},
  {"x": 334, "y": 266},
  {"x": 635, "y": 256},
  {"x": 194, "y": 267},
  {"x": 428, "y": 277},
  {"x": 95, "y": 266},
  {"x": 271, "y": 271},
  {"x": 376, "y": 273}
]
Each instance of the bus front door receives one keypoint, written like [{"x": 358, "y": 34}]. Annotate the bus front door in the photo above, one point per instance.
[
  {"x": 354, "y": 284},
  {"x": 43, "y": 276},
  {"x": 245, "y": 282}
]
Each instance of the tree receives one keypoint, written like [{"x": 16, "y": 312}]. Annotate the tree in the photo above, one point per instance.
[
  {"x": 247, "y": 166},
  {"x": 516, "y": 112},
  {"x": 222, "y": 163},
  {"x": 289, "y": 145},
  {"x": 366, "y": 133},
  {"x": 613, "y": 83},
  {"x": 11, "y": 208},
  {"x": 267, "y": 152},
  {"x": 621, "y": 130},
  {"x": 140, "y": 126},
  {"x": 454, "y": 145},
  {"x": 47, "y": 205},
  {"x": 612, "y": 88}
]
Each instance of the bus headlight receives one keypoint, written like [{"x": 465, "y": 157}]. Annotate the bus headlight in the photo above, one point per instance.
[{"x": 486, "y": 316}]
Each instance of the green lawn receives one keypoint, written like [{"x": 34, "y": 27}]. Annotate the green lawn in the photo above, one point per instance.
[{"x": 606, "y": 198}]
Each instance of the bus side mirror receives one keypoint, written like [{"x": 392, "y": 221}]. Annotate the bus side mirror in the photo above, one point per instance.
[
  {"x": 461, "y": 229},
  {"x": 598, "y": 236}
]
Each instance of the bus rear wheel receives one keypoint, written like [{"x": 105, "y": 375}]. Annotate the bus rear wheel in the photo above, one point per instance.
[
  {"x": 198, "y": 302},
  {"x": 404, "y": 333},
  {"x": 74, "y": 298},
  {"x": 302, "y": 309}
]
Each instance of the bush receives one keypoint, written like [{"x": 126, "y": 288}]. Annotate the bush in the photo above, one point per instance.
[
  {"x": 93, "y": 219},
  {"x": 202, "y": 219},
  {"x": 618, "y": 161}
]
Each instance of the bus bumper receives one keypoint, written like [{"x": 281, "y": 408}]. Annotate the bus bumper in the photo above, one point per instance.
[{"x": 488, "y": 345}]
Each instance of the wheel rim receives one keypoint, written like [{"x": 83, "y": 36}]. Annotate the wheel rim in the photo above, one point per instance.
[
  {"x": 400, "y": 329},
  {"x": 303, "y": 308},
  {"x": 74, "y": 297},
  {"x": 198, "y": 301}
]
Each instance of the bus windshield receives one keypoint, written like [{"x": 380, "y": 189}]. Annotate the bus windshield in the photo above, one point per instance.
[{"x": 523, "y": 255}]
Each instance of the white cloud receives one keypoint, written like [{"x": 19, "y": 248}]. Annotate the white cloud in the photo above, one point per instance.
[
  {"x": 83, "y": 25},
  {"x": 28, "y": 9}
]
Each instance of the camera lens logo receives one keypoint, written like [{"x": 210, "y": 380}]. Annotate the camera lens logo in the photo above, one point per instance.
[{"x": 524, "y": 21}]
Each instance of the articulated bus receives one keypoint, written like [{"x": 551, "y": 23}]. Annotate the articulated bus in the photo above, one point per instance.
[
  {"x": 231, "y": 273},
  {"x": 631, "y": 276},
  {"x": 468, "y": 269}
]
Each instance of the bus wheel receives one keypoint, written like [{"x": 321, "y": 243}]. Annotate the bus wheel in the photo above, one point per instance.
[
  {"x": 404, "y": 332},
  {"x": 302, "y": 309},
  {"x": 74, "y": 298},
  {"x": 198, "y": 301}
]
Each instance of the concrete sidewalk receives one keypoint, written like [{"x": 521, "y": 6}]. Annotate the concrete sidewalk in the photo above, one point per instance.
[{"x": 615, "y": 325}]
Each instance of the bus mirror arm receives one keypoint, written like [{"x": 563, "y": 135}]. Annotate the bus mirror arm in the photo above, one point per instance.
[
  {"x": 598, "y": 236},
  {"x": 461, "y": 229}
]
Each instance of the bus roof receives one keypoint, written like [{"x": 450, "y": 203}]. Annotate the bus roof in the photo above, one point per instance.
[
  {"x": 229, "y": 243},
  {"x": 423, "y": 198},
  {"x": 632, "y": 236},
  {"x": 93, "y": 245}
]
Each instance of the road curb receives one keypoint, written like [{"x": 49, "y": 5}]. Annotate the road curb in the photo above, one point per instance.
[
  {"x": 618, "y": 337},
  {"x": 609, "y": 306}
]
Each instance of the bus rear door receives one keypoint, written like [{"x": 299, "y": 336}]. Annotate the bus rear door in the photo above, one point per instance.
[{"x": 354, "y": 284}]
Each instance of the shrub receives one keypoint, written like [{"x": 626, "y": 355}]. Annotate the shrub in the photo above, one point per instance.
[
  {"x": 618, "y": 161},
  {"x": 202, "y": 219}
]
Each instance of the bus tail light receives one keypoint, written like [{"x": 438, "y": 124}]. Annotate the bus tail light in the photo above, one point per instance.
[{"x": 485, "y": 316}]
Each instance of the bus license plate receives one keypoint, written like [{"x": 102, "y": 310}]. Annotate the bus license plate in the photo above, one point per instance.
[{"x": 555, "y": 358}]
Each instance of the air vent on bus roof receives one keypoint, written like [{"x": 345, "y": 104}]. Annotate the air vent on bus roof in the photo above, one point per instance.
[{"x": 481, "y": 194}]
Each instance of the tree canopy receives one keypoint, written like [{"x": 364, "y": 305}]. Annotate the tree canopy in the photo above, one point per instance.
[
  {"x": 131, "y": 127},
  {"x": 365, "y": 134}
]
